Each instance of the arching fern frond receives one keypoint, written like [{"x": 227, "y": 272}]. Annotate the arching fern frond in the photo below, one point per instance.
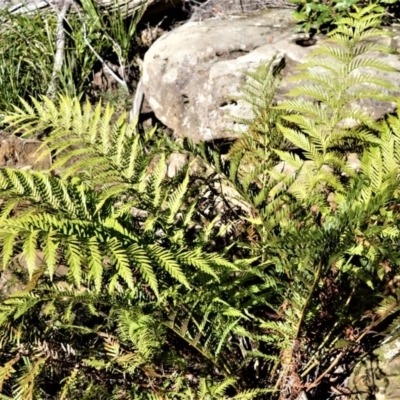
[{"x": 338, "y": 75}]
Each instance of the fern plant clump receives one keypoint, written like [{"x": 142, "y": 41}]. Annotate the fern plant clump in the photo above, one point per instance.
[
  {"x": 325, "y": 233},
  {"x": 119, "y": 229}
]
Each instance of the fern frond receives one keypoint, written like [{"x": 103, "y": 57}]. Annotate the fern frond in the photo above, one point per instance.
[
  {"x": 176, "y": 199},
  {"x": 7, "y": 240},
  {"x": 95, "y": 260},
  {"x": 120, "y": 258},
  {"x": 25, "y": 384},
  {"x": 143, "y": 263},
  {"x": 73, "y": 254},
  {"x": 68, "y": 383},
  {"x": 166, "y": 259},
  {"x": 7, "y": 370}
]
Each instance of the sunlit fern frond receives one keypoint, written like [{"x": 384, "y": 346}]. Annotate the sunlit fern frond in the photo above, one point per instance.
[
  {"x": 114, "y": 184},
  {"x": 338, "y": 75},
  {"x": 86, "y": 139}
]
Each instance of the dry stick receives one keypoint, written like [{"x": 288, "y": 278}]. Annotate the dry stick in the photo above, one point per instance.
[
  {"x": 333, "y": 365},
  {"x": 358, "y": 340},
  {"x": 114, "y": 75},
  {"x": 60, "y": 48},
  {"x": 378, "y": 321},
  {"x": 311, "y": 363},
  {"x": 286, "y": 368},
  {"x": 137, "y": 102},
  {"x": 139, "y": 95},
  {"x": 117, "y": 46}
]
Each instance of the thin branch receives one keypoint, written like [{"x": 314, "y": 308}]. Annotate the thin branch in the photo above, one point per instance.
[
  {"x": 60, "y": 48},
  {"x": 285, "y": 370},
  {"x": 118, "y": 51},
  {"x": 112, "y": 73},
  {"x": 329, "y": 369},
  {"x": 358, "y": 340},
  {"x": 312, "y": 363},
  {"x": 122, "y": 82},
  {"x": 137, "y": 99}
]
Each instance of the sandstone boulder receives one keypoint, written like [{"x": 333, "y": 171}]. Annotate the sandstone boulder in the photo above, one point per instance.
[
  {"x": 24, "y": 153},
  {"x": 378, "y": 375},
  {"x": 192, "y": 74}
]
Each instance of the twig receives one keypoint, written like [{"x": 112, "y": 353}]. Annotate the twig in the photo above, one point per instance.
[
  {"x": 139, "y": 95},
  {"x": 333, "y": 365},
  {"x": 60, "y": 48},
  {"x": 118, "y": 51},
  {"x": 114, "y": 75},
  {"x": 358, "y": 340},
  {"x": 311, "y": 363},
  {"x": 137, "y": 101},
  {"x": 377, "y": 322},
  {"x": 285, "y": 370}
]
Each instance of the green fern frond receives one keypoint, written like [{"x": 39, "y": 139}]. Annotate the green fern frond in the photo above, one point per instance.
[
  {"x": 68, "y": 383},
  {"x": 7, "y": 240},
  {"x": 156, "y": 178},
  {"x": 196, "y": 259},
  {"x": 121, "y": 262},
  {"x": 176, "y": 199},
  {"x": 143, "y": 263},
  {"x": 222, "y": 387},
  {"x": 73, "y": 254},
  {"x": 95, "y": 260},
  {"x": 166, "y": 259}
]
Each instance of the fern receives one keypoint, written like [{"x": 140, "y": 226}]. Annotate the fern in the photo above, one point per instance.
[
  {"x": 335, "y": 79},
  {"x": 115, "y": 222},
  {"x": 322, "y": 225},
  {"x": 238, "y": 281}
]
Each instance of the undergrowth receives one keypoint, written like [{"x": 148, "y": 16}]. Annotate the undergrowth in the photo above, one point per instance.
[{"x": 260, "y": 274}]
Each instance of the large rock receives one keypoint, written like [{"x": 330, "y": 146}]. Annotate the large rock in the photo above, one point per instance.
[
  {"x": 378, "y": 376},
  {"x": 201, "y": 10},
  {"x": 24, "y": 153},
  {"x": 192, "y": 74}
]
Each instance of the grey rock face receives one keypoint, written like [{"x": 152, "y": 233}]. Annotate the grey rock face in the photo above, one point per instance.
[
  {"x": 212, "y": 8},
  {"x": 379, "y": 374},
  {"x": 192, "y": 74}
]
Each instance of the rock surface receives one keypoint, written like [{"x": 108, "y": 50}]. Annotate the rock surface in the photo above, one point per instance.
[
  {"x": 201, "y": 10},
  {"x": 378, "y": 376},
  {"x": 24, "y": 153},
  {"x": 192, "y": 74}
]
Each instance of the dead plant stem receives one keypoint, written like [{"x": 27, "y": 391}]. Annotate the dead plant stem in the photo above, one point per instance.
[{"x": 285, "y": 370}]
